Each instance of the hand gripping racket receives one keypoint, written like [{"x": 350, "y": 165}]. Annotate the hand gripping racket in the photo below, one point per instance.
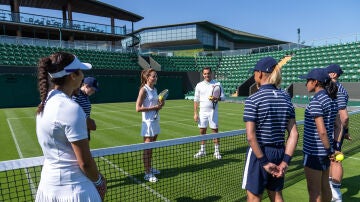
[
  {"x": 215, "y": 95},
  {"x": 161, "y": 97}
]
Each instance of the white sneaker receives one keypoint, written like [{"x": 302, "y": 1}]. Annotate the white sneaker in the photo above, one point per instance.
[
  {"x": 200, "y": 154},
  {"x": 217, "y": 155},
  {"x": 154, "y": 171},
  {"x": 150, "y": 177}
]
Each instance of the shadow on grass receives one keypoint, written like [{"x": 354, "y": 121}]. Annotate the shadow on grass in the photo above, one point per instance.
[{"x": 353, "y": 187}]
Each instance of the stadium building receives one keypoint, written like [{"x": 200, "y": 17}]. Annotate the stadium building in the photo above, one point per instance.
[
  {"x": 118, "y": 54},
  {"x": 178, "y": 52}
]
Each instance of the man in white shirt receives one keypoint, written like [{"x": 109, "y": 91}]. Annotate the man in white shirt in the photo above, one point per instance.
[{"x": 208, "y": 113}]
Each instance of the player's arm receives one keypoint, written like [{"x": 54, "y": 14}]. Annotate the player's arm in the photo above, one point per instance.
[
  {"x": 85, "y": 160},
  {"x": 321, "y": 129},
  {"x": 290, "y": 146},
  {"x": 88, "y": 166},
  {"x": 91, "y": 125},
  {"x": 196, "y": 111},
  {"x": 292, "y": 139},
  {"x": 139, "y": 102},
  {"x": 344, "y": 120},
  {"x": 196, "y": 103},
  {"x": 252, "y": 140}
]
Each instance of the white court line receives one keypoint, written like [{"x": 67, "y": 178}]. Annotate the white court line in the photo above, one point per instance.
[
  {"x": 133, "y": 110},
  {"x": 28, "y": 176},
  {"x": 14, "y": 138},
  {"x": 25, "y": 117},
  {"x": 354, "y": 158},
  {"x": 136, "y": 180},
  {"x": 136, "y": 125}
]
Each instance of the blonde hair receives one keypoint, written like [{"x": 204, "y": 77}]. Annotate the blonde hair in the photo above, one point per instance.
[{"x": 275, "y": 76}]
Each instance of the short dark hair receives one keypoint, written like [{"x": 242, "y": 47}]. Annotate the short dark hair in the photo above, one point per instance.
[{"x": 209, "y": 68}]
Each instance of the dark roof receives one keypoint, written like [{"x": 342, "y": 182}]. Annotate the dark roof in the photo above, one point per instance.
[
  {"x": 233, "y": 34},
  {"x": 91, "y": 7}
]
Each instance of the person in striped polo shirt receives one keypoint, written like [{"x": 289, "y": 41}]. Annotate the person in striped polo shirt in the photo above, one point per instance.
[
  {"x": 341, "y": 131},
  {"x": 89, "y": 86},
  {"x": 319, "y": 123},
  {"x": 268, "y": 113}
]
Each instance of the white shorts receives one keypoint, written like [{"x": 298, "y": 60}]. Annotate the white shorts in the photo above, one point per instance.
[
  {"x": 150, "y": 128},
  {"x": 208, "y": 118}
]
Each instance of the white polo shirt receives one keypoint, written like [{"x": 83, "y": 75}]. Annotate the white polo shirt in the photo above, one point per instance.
[
  {"x": 202, "y": 92},
  {"x": 63, "y": 121}
]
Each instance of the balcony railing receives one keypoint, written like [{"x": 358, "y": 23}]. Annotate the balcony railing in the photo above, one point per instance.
[{"x": 47, "y": 21}]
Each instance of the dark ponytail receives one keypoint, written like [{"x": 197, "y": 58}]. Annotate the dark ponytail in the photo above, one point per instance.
[
  {"x": 331, "y": 88},
  {"x": 43, "y": 82},
  {"x": 54, "y": 63}
]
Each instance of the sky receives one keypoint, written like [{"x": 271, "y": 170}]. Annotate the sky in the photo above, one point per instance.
[{"x": 279, "y": 19}]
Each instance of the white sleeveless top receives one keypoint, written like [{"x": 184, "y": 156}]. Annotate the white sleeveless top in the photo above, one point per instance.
[{"x": 151, "y": 99}]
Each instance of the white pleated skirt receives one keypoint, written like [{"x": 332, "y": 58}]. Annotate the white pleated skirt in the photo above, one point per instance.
[{"x": 80, "y": 192}]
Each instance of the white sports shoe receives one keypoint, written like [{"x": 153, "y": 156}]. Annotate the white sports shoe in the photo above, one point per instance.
[
  {"x": 154, "y": 171},
  {"x": 217, "y": 155},
  {"x": 150, "y": 177},
  {"x": 200, "y": 154}
]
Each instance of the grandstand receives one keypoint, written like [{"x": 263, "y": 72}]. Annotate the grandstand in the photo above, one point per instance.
[
  {"x": 118, "y": 54},
  {"x": 21, "y": 48}
]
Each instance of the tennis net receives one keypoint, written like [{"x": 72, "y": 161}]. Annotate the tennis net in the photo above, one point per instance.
[{"x": 182, "y": 177}]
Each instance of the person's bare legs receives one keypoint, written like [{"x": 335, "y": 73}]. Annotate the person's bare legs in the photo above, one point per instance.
[
  {"x": 318, "y": 185},
  {"x": 253, "y": 197},
  {"x": 147, "y": 155},
  {"x": 336, "y": 175},
  {"x": 275, "y": 196}
]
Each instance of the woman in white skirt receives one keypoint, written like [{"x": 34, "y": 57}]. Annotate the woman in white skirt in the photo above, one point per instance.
[
  {"x": 148, "y": 103},
  {"x": 69, "y": 172}
]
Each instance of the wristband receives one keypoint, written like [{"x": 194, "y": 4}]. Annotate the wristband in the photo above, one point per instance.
[
  {"x": 99, "y": 181},
  {"x": 329, "y": 151},
  {"x": 337, "y": 145},
  {"x": 263, "y": 160},
  {"x": 287, "y": 158}
]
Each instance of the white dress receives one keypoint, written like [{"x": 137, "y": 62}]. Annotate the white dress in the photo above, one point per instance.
[
  {"x": 62, "y": 122},
  {"x": 150, "y": 126}
]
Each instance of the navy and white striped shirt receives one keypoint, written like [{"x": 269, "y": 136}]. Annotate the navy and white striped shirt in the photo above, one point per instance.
[
  {"x": 320, "y": 105},
  {"x": 83, "y": 100},
  {"x": 342, "y": 96},
  {"x": 270, "y": 109}
]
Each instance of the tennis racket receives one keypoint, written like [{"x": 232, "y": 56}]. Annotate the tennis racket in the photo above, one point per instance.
[
  {"x": 161, "y": 97},
  {"x": 215, "y": 95}
]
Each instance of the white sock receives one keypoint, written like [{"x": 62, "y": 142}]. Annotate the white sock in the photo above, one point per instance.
[
  {"x": 330, "y": 183},
  {"x": 202, "y": 148},
  {"x": 217, "y": 148},
  {"x": 335, "y": 190}
]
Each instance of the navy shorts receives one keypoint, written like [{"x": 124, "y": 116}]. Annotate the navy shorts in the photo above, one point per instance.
[
  {"x": 316, "y": 162},
  {"x": 255, "y": 178}
]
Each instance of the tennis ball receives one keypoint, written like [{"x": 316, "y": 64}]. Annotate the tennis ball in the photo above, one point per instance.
[
  {"x": 160, "y": 97},
  {"x": 339, "y": 157},
  {"x": 210, "y": 97}
]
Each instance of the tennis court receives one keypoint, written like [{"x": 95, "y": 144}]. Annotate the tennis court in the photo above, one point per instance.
[{"x": 182, "y": 177}]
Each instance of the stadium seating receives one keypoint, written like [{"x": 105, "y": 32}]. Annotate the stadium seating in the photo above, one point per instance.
[
  {"x": 27, "y": 55},
  {"x": 232, "y": 71}
]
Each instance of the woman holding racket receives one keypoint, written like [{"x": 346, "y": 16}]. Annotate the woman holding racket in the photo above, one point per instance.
[
  {"x": 148, "y": 103},
  {"x": 268, "y": 113},
  {"x": 319, "y": 123},
  {"x": 208, "y": 113},
  {"x": 69, "y": 172}
]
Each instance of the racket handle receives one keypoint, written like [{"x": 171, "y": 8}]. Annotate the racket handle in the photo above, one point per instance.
[{"x": 156, "y": 114}]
